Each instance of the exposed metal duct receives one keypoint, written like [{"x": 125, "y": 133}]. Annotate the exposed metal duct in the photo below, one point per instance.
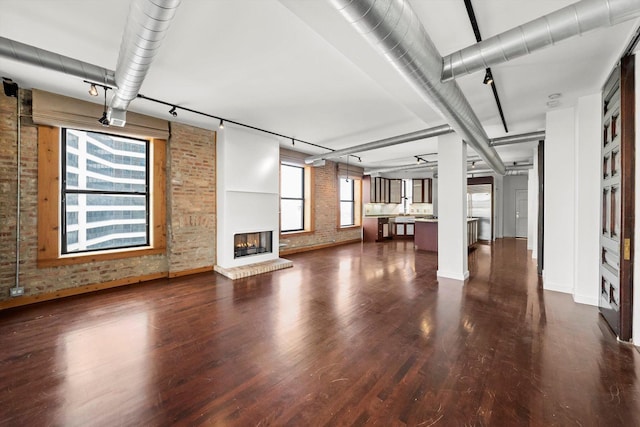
[
  {"x": 421, "y": 134},
  {"x": 400, "y": 168},
  {"x": 11, "y": 49},
  {"x": 381, "y": 143},
  {"x": 518, "y": 139},
  {"x": 575, "y": 19},
  {"x": 146, "y": 26},
  {"x": 394, "y": 28}
]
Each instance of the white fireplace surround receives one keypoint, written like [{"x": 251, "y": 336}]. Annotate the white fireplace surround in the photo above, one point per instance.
[{"x": 248, "y": 169}]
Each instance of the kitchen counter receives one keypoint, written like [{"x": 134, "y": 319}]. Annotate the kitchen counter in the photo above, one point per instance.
[{"x": 426, "y": 233}]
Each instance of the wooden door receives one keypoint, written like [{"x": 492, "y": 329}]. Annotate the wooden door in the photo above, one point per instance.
[
  {"x": 617, "y": 212},
  {"x": 522, "y": 213}
]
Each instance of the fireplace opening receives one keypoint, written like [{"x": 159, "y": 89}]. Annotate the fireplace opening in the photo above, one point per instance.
[{"x": 245, "y": 244}]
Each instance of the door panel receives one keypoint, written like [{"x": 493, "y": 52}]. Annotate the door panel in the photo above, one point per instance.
[
  {"x": 616, "y": 190},
  {"x": 522, "y": 213}
]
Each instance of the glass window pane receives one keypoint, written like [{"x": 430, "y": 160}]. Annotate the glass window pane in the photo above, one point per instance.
[
  {"x": 346, "y": 213},
  {"x": 346, "y": 189},
  {"x": 102, "y": 162},
  {"x": 291, "y": 182},
  {"x": 291, "y": 215},
  {"x": 105, "y": 222}
]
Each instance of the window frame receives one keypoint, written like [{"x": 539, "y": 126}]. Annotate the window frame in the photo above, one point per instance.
[
  {"x": 308, "y": 194},
  {"x": 357, "y": 200},
  {"x": 64, "y": 192},
  {"x": 302, "y": 199},
  {"x": 49, "y": 204},
  {"x": 352, "y": 201}
]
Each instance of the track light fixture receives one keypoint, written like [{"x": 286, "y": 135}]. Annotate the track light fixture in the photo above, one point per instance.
[
  {"x": 473, "y": 165},
  {"x": 488, "y": 77},
  {"x": 173, "y": 111},
  {"x": 221, "y": 126},
  {"x": 10, "y": 87},
  {"x": 293, "y": 142},
  {"x": 104, "y": 120},
  {"x": 93, "y": 91},
  {"x": 419, "y": 159}
]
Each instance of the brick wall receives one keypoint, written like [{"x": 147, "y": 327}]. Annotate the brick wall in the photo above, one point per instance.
[
  {"x": 325, "y": 208},
  {"x": 190, "y": 211},
  {"x": 191, "y": 198}
]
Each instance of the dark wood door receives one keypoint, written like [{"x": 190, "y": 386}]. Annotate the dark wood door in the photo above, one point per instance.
[{"x": 617, "y": 212}]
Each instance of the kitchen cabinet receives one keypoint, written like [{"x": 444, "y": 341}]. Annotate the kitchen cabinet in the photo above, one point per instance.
[
  {"x": 395, "y": 191},
  {"x": 385, "y": 190},
  {"x": 422, "y": 191},
  {"x": 376, "y": 229}
]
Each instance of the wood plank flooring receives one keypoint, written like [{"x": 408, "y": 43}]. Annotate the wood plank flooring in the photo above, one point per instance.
[{"x": 362, "y": 334}]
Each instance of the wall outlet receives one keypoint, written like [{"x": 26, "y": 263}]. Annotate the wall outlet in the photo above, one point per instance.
[{"x": 16, "y": 292}]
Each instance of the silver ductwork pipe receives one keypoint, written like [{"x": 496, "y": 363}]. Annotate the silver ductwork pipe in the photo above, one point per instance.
[
  {"x": 400, "y": 168},
  {"x": 394, "y": 29},
  {"x": 13, "y": 50},
  {"x": 518, "y": 139},
  {"x": 146, "y": 27},
  {"x": 381, "y": 143},
  {"x": 575, "y": 19}
]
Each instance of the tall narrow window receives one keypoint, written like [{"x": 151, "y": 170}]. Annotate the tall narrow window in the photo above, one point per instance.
[
  {"x": 105, "y": 192},
  {"x": 347, "y": 203},
  {"x": 291, "y": 198}
]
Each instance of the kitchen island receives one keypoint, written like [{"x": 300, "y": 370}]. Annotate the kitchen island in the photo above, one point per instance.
[{"x": 426, "y": 233}]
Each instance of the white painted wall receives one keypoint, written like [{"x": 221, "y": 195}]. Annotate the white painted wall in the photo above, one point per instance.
[
  {"x": 498, "y": 188},
  {"x": 587, "y": 199},
  {"x": 248, "y": 170},
  {"x": 510, "y": 185},
  {"x": 452, "y": 208},
  {"x": 559, "y": 204},
  {"x": 532, "y": 242}
]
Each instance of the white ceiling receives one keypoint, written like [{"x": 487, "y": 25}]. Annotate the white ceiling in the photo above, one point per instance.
[{"x": 297, "y": 68}]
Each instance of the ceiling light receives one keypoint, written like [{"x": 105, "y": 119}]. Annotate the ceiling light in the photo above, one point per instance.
[
  {"x": 555, "y": 95},
  {"x": 293, "y": 142},
  {"x": 473, "y": 165},
  {"x": 221, "y": 126},
  {"x": 553, "y": 103},
  {"x": 104, "y": 120},
  {"x": 93, "y": 91},
  {"x": 488, "y": 78},
  {"x": 173, "y": 111}
]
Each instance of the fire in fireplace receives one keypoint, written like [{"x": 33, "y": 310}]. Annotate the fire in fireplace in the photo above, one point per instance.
[{"x": 245, "y": 244}]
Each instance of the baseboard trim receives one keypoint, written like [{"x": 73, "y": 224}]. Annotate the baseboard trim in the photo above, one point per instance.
[
  {"x": 63, "y": 293},
  {"x": 284, "y": 252},
  {"x": 584, "y": 299},
  {"x": 453, "y": 276},
  {"x": 548, "y": 285},
  {"x": 191, "y": 271}
]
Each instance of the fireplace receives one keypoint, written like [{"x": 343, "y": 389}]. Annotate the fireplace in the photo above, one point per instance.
[{"x": 246, "y": 244}]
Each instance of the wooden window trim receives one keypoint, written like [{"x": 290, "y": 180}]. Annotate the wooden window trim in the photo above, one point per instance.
[
  {"x": 357, "y": 204},
  {"x": 49, "y": 205},
  {"x": 309, "y": 220}
]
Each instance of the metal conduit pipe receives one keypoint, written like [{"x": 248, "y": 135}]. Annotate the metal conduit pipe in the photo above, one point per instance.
[
  {"x": 400, "y": 168},
  {"x": 146, "y": 27},
  {"x": 575, "y": 19},
  {"x": 381, "y": 143},
  {"x": 13, "y": 50},
  {"x": 395, "y": 30},
  {"x": 518, "y": 139}
]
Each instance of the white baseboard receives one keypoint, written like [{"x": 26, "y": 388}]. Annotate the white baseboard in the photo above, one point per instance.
[
  {"x": 452, "y": 275},
  {"x": 586, "y": 299}
]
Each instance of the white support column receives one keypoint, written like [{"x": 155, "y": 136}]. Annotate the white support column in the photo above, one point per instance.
[{"x": 452, "y": 208}]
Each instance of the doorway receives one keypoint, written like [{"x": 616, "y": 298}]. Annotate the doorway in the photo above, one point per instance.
[{"x": 522, "y": 213}]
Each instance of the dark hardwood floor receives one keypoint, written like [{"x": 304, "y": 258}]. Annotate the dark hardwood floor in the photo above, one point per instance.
[{"x": 353, "y": 335}]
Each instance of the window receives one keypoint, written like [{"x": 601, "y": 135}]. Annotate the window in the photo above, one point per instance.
[
  {"x": 292, "y": 206},
  {"x": 347, "y": 202},
  {"x": 100, "y": 196},
  {"x": 104, "y": 192}
]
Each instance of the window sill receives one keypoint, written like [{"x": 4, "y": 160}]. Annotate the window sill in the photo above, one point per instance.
[
  {"x": 349, "y": 227},
  {"x": 99, "y": 256},
  {"x": 297, "y": 233}
]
